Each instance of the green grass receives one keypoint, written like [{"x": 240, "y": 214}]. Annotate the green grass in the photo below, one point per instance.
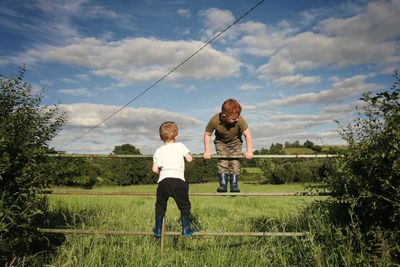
[
  {"x": 210, "y": 214},
  {"x": 298, "y": 150},
  {"x": 252, "y": 170},
  {"x": 205, "y": 187}
]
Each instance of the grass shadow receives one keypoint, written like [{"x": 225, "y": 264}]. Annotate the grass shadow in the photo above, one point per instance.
[{"x": 47, "y": 243}]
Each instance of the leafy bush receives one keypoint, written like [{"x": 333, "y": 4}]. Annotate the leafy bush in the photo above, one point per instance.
[
  {"x": 366, "y": 184},
  {"x": 25, "y": 128},
  {"x": 200, "y": 171}
]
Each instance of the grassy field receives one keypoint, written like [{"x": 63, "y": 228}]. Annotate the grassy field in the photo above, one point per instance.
[
  {"x": 297, "y": 150},
  {"x": 210, "y": 214}
]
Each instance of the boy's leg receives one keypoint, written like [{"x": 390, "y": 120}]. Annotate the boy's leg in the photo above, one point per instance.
[
  {"x": 161, "y": 206},
  {"x": 163, "y": 193},
  {"x": 235, "y": 149},
  {"x": 223, "y": 166},
  {"x": 181, "y": 197}
]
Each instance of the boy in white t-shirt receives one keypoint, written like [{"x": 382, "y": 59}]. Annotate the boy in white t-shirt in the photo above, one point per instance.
[{"x": 169, "y": 165}]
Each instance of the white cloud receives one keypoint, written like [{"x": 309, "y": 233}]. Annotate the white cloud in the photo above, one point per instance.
[
  {"x": 322, "y": 50},
  {"x": 340, "y": 90},
  {"x": 250, "y": 87},
  {"x": 184, "y": 12},
  {"x": 141, "y": 59},
  {"x": 366, "y": 35},
  {"x": 260, "y": 40},
  {"x": 74, "y": 8},
  {"x": 77, "y": 92},
  {"x": 214, "y": 21},
  {"x": 297, "y": 80},
  {"x": 277, "y": 66},
  {"x": 320, "y": 128},
  {"x": 137, "y": 126},
  {"x": 378, "y": 22},
  {"x": 4, "y": 61},
  {"x": 280, "y": 71},
  {"x": 217, "y": 19}
]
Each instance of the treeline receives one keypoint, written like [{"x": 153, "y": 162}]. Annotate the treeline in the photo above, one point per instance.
[
  {"x": 86, "y": 173},
  {"x": 306, "y": 148},
  {"x": 281, "y": 171}
]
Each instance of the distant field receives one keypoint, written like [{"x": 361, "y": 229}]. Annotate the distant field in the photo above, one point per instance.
[
  {"x": 327, "y": 147},
  {"x": 298, "y": 151}
]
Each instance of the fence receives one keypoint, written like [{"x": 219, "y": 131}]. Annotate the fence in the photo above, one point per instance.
[{"x": 169, "y": 233}]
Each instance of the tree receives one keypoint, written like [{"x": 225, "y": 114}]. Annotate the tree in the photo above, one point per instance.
[
  {"x": 126, "y": 149},
  {"x": 276, "y": 148},
  {"x": 26, "y": 127},
  {"x": 308, "y": 144},
  {"x": 127, "y": 171},
  {"x": 262, "y": 151}
]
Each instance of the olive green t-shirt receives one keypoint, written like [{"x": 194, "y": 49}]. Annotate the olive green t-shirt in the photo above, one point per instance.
[{"x": 225, "y": 132}]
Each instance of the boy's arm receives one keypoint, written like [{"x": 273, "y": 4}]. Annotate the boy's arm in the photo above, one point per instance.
[
  {"x": 188, "y": 157},
  {"x": 155, "y": 169},
  {"x": 249, "y": 144},
  {"x": 207, "y": 148}
]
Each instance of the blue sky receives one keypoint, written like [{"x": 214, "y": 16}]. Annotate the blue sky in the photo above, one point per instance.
[{"x": 295, "y": 66}]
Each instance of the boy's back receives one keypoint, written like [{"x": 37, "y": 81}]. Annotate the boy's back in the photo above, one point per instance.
[{"x": 170, "y": 158}]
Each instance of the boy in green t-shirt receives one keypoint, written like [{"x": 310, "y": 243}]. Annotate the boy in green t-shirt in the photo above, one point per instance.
[{"x": 229, "y": 126}]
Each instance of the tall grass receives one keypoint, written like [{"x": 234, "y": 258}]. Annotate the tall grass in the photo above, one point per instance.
[{"x": 211, "y": 214}]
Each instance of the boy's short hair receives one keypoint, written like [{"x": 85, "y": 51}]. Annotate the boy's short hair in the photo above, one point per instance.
[
  {"x": 168, "y": 131},
  {"x": 231, "y": 107}
]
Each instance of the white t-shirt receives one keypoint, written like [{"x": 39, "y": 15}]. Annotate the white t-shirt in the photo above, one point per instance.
[{"x": 170, "y": 159}]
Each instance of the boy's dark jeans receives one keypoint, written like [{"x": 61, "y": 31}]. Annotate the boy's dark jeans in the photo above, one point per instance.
[{"x": 178, "y": 190}]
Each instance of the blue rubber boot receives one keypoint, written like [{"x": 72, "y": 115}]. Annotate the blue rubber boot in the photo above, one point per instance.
[
  {"x": 186, "y": 229},
  {"x": 223, "y": 183},
  {"x": 157, "y": 230},
  {"x": 234, "y": 183}
]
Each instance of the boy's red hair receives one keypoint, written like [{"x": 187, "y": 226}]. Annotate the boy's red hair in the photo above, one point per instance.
[{"x": 231, "y": 107}]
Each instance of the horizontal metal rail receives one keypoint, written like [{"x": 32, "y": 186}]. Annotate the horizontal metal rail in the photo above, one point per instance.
[
  {"x": 61, "y": 155},
  {"x": 141, "y": 233},
  {"x": 99, "y": 193}
]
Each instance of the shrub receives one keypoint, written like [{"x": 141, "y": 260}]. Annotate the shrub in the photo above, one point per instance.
[
  {"x": 25, "y": 129},
  {"x": 366, "y": 183}
]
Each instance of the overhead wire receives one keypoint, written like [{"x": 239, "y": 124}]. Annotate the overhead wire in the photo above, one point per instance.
[{"x": 164, "y": 76}]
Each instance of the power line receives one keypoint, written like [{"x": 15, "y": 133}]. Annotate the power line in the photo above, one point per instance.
[{"x": 163, "y": 77}]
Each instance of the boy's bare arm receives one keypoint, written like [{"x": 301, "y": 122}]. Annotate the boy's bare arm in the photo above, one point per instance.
[
  {"x": 188, "y": 157},
  {"x": 249, "y": 144},
  {"x": 207, "y": 147},
  {"x": 155, "y": 169}
]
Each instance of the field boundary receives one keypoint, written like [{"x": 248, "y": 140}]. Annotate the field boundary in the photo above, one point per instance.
[
  {"x": 64, "y": 155},
  {"x": 276, "y": 194},
  {"x": 167, "y": 233}
]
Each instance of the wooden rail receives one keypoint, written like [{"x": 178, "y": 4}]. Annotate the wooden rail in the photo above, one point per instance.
[
  {"x": 141, "y": 233},
  {"x": 61, "y": 155},
  {"x": 99, "y": 193}
]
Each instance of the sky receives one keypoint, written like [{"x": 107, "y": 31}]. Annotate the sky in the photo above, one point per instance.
[{"x": 296, "y": 67}]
